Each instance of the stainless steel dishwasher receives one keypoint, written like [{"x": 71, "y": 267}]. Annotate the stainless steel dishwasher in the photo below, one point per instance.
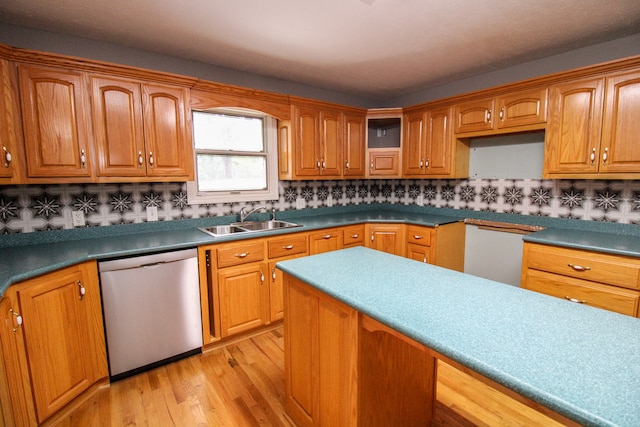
[{"x": 151, "y": 309}]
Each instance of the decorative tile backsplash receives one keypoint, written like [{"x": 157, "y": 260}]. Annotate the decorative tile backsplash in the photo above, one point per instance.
[{"x": 47, "y": 207}]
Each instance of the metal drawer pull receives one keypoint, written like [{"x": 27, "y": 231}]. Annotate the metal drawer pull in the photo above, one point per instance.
[
  {"x": 7, "y": 157},
  {"x": 81, "y": 290},
  {"x": 83, "y": 159},
  {"x": 579, "y": 267},
  {"x": 273, "y": 274},
  {"x": 242, "y": 255},
  {"x": 288, "y": 247},
  {"x": 355, "y": 236},
  {"x": 415, "y": 236},
  {"x": 577, "y": 301},
  {"x": 326, "y": 236},
  {"x": 18, "y": 319}
]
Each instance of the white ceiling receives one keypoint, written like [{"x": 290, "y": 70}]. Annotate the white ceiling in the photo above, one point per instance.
[{"x": 372, "y": 48}]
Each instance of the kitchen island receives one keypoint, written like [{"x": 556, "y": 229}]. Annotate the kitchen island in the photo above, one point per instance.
[{"x": 579, "y": 362}]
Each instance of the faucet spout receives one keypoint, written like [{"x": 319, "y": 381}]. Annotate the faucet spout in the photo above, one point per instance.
[{"x": 244, "y": 214}]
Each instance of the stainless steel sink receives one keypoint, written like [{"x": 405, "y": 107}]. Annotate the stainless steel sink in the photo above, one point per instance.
[{"x": 247, "y": 227}]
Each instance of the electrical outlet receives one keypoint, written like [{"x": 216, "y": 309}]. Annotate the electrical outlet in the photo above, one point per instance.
[
  {"x": 329, "y": 200},
  {"x": 301, "y": 203},
  {"x": 78, "y": 218},
  {"x": 420, "y": 200},
  {"x": 152, "y": 213}
]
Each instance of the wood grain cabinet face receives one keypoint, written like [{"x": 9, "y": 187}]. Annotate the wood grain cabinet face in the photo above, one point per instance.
[
  {"x": 519, "y": 109},
  {"x": 56, "y": 120},
  {"x": 387, "y": 238},
  {"x": 353, "y": 147},
  {"x": 317, "y": 142},
  {"x": 9, "y": 155},
  {"x": 606, "y": 281},
  {"x": 593, "y": 128},
  {"x": 280, "y": 249},
  {"x": 325, "y": 241},
  {"x": 428, "y": 143},
  {"x": 63, "y": 335}
]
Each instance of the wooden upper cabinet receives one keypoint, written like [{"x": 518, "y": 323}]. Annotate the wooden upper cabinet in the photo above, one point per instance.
[
  {"x": 353, "y": 147},
  {"x": 572, "y": 140},
  {"x": 620, "y": 148},
  {"x": 306, "y": 141},
  {"x": 428, "y": 145},
  {"x": 525, "y": 109},
  {"x": 117, "y": 127},
  {"x": 167, "y": 136},
  {"x": 10, "y": 160},
  {"x": 56, "y": 120},
  {"x": 330, "y": 143},
  {"x": 474, "y": 116}
]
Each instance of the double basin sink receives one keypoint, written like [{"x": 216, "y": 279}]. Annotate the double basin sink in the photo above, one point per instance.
[{"x": 247, "y": 227}]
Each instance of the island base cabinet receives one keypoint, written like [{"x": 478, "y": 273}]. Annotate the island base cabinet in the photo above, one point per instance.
[{"x": 321, "y": 348}]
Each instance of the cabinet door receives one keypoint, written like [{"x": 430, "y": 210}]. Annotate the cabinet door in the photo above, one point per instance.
[
  {"x": 331, "y": 144},
  {"x": 306, "y": 141},
  {"x": 244, "y": 298},
  {"x": 353, "y": 146},
  {"x": 117, "y": 127},
  {"x": 63, "y": 333},
  {"x": 384, "y": 162},
  {"x": 620, "y": 150},
  {"x": 8, "y": 138},
  {"x": 387, "y": 238},
  {"x": 438, "y": 142},
  {"x": 474, "y": 116},
  {"x": 418, "y": 252},
  {"x": 276, "y": 290},
  {"x": 522, "y": 108},
  {"x": 413, "y": 144},
  {"x": 169, "y": 148},
  {"x": 324, "y": 241},
  {"x": 56, "y": 122},
  {"x": 572, "y": 140}
]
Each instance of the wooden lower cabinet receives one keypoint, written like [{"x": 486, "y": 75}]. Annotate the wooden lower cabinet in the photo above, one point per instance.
[
  {"x": 442, "y": 246},
  {"x": 321, "y": 348},
  {"x": 387, "y": 238},
  {"x": 57, "y": 349},
  {"x": 611, "y": 282},
  {"x": 325, "y": 241}
]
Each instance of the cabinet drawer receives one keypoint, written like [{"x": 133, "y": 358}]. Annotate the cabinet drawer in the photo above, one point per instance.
[
  {"x": 610, "y": 269},
  {"x": 289, "y": 245},
  {"x": 611, "y": 298},
  {"x": 419, "y": 235},
  {"x": 352, "y": 236},
  {"x": 240, "y": 253}
]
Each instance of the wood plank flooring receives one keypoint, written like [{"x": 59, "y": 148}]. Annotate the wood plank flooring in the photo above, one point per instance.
[{"x": 241, "y": 384}]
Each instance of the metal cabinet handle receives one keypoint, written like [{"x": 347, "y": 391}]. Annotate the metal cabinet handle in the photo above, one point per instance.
[
  {"x": 150, "y": 159},
  {"x": 417, "y": 237},
  {"x": 373, "y": 236},
  {"x": 326, "y": 236},
  {"x": 592, "y": 157},
  {"x": 501, "y": 115},
  {"x": 83, "y": 159},
  {"x": 424, "y": 259},
  {"x": 242, "y": 255},
  {"x": 318, "y": 163},
  {"x": 261, "y": 277},
  {"x": 273, "y": 274},
  {"x": 18, "y": 319},
  {"x": 140, "y": 159},
  {"x": 487, "y": 116},
  {"x": 81, "y": 290},
  {"x": 355, "y": 236},
  {"x": 426, "y": 163},
  {"x": 7, "y": 157},
  {"x": 324, "y": 164},
  {"x": 371, "y": 164},
  {"x": 288, "y": 247},
  {"x": 605, "y": 156},
  {"x": 577, "y": 301},
  {"x": 346, "y": 165},
  {"x": 579, "y": 267}
]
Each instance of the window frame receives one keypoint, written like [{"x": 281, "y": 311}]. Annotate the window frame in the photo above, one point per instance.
[{"x": 196, "y": 197}]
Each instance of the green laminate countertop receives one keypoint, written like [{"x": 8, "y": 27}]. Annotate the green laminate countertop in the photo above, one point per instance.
[
  {"x": 21, "y": 262},
  {"x": 579, "y": 361},
  {"x": 588, "y": 240}
]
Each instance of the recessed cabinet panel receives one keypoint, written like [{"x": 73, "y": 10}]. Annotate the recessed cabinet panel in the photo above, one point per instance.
[
  {"x": 55, "y": 122},
  {"x": 117, "y": 127},
  {"x": 620, "y": 150},
  {"x": 353, "y": 146}
]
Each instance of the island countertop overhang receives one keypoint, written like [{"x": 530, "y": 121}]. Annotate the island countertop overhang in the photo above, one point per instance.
[{"x": 580, "y": 361}]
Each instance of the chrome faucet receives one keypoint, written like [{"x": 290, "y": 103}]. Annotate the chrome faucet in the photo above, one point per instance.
[{"x": 244, "y": 215}]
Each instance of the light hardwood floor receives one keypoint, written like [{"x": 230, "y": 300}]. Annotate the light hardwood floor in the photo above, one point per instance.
[{"x": 241, "y": 384}]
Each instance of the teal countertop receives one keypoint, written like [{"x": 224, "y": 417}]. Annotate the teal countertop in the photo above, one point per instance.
[
  {"x": 580, "y": 361},
  {"x": 28, "y": 255},
  {"x": 42, "y": 255}
]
